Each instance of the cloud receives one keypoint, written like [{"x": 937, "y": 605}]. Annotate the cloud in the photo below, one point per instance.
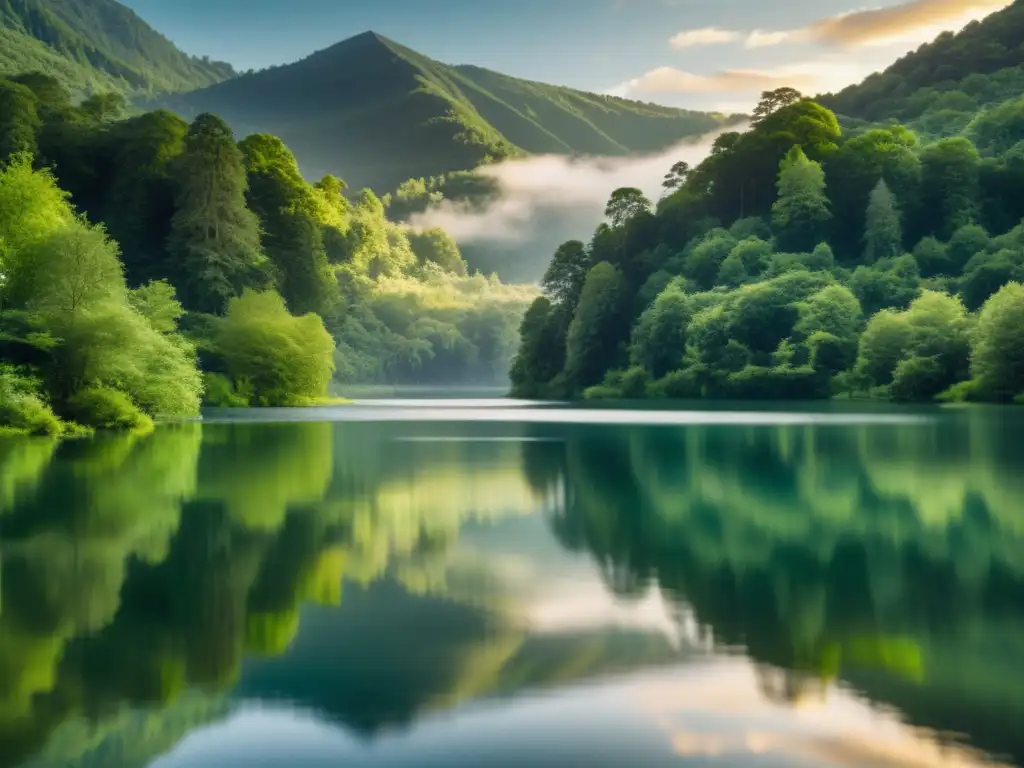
[
  {"x": 912, "y": 22},
  {"x": 706, "y": 36},
  {"x": 555, "y": 198},
  {"x": 823, "y": 74}
]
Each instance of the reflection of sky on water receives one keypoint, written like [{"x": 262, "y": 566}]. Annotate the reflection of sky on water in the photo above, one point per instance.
[
  {"x": 705, "y": 713},
  {"x": 498, "y": 411}
]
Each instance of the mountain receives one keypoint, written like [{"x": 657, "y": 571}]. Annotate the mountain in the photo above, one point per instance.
[
  {"x": 954, "y": 75},
  {"x": 377, "y": 113},
  {"x": 97, "y": 45}
]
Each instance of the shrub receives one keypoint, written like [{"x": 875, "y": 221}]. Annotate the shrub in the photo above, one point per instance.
[
  {"x": 221, "y": 392},
  {"x": 677, "y": 385},
  {"x": 106, "y": 408},
  {"x": 21, "y": 407}
]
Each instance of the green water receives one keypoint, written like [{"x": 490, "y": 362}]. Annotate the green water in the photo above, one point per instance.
[{"x": 487, "y": 583}]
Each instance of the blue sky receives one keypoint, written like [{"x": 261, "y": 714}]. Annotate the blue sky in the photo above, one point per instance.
[{"x": 701, "y": 53}]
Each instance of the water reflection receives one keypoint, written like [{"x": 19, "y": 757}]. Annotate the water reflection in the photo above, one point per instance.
[{"x": 813, "y": 593}]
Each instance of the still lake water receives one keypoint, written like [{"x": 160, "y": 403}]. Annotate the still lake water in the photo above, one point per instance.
[{"x": 491, "y": 583}]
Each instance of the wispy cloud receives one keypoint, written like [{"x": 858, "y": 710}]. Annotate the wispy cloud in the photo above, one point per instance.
[
  {"x": 822, "y": 74},
  {"x": 912, "y": 22},
  {"x": 706, "y": 36}
]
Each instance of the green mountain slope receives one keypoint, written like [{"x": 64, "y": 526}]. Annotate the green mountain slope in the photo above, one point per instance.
[
  {"x": 954, "y": 75},
  {"x": 92, "y": 45},
  {"x": 378, "y": 113}
]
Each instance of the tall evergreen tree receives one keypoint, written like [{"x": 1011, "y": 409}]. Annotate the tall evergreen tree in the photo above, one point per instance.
[
  {"x": 883, "y": 234},
  {"x": 215, "y": 238},
  {"x": 801, "y": 213},
  {"x": 291, "y": 235}
]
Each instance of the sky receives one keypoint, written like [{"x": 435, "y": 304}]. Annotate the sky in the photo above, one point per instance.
[{"x": 706, "y": 54}]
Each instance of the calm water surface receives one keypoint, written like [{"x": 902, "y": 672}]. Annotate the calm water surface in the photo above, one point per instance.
[{"x": 482, "y": 582}]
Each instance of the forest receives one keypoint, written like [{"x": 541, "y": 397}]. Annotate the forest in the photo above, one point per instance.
[
  {"x": 149, "y": 266},
  {"x": 799, "y": 260}
]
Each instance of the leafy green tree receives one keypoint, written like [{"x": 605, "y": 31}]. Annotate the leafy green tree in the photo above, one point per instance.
[
  {"x": 986, "y": 273},
  {"x": 703, "y": 261},
  {"x": 997, "y": 351},
  {"x": 967, "y": 242},
  {"x": 932, "y": 257},
  {"x": 19, "y": 120},
  {"x": 157, "y": 302},
  {"x": 74, "y": 269},
  {"x": 853, "y": 172},
  {"x": 676, "y": 177},
  {"x": 834, "y": 310},
  {"x": 282, "y": 360},
  {"x": 567, "y": 273},
  {"x": 541, "y": 354},
  {"x": 215, "y": 238},
  {"x": 883, "y": 235},
  {"x": 660, "y": 335},
  {"x": 138, "y": 201},
  {"x": 949, "y": 183},
  {"x": 625, "y": 204},
  {"x": 883, "y": 344},
  {"x": 886, "y": 284},
  {"x": 104, "y": 107},
  {"x": 773, "y": 101},
  {"x": 596, "y": 333},
  {"x": 801, "y": 214},
  {"x": 436, "y": 246},
  {"x": 291, "y": 236}
]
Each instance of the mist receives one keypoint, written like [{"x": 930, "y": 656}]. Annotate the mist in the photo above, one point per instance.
[{"x": 545, "y": 200}]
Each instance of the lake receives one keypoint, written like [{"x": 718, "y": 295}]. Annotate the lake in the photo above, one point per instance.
[{"x": 473, "y": 582}]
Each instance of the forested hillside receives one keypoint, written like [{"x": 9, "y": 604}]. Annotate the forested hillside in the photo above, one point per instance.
[
  {"x": 97, "y": 45},
  {"x": 940, "y": 87},
  {"x": 380, "y": 113},
  {"x": 133, "y": 250},
  {"x": 798, "y": 262}
]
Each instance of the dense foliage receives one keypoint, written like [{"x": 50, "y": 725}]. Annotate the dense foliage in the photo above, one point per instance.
[
  {"x": 112, "y": 231},
  {"x": 405, "y": 116},
  {"x": 97, "y": 45},
  {"x": 796, "y": 262},
  {"x": 946, "y": 86}
]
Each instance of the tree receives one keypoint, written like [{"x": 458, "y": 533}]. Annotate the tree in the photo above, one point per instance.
[
  {"x": 157, "y": 302},
  {"x": 282, "y": 360},
  {"x": 966, "y": 243},
  {"x": 883, "y": 234},
  {"x": 997, "y": 352},
  {"x": 74, "y": 269},
  {"x": 436, "y": 246},
  {"x": 801, "y": 213},
  {"x": 19, "y": 120},
  {"x": 932, "y": 257},
  {"x": 834, "y": 310},
  {"x": 592, "y": 345},
  {"x": 291, "y": 235},
  {"x": 541, "y": 354},
  {"x": 853, "y": 172},
  {"x": 676, "y": 177},
  {"x": 566, "y": 274},
  {"x": 660, "y": 335},
  {"x": 215, "y": 238},
  {"x": 883, "y": 344},
  {"x": 772, "y": 101},
  {"x": 949, "y": 184},
  {"x": 104, "y": 107},
  {"x": 624, "y": 204}
]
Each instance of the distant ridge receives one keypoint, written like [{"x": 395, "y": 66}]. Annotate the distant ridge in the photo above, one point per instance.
[
  {"x": 377, "y": 113},
  {"x": 97, "y": 45}
]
